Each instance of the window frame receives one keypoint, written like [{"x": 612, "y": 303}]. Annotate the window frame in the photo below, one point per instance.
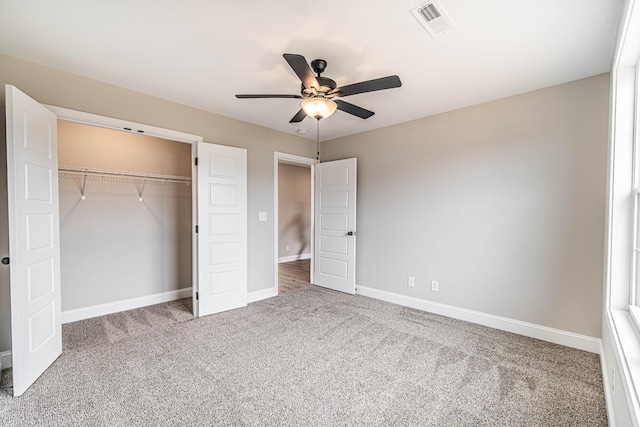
[
  {"x": 621, "y": 329},
  {"x": 634, "y": 288}
]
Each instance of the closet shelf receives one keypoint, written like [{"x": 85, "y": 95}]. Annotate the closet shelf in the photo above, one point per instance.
[
  {"x": 106, "y": 173},
  {"x": 74, "y": 170}
]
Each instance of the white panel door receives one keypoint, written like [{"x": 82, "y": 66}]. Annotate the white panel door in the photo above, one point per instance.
[
  {"x": 222, "y": 228},
  {"x": 34, "y": 237},
  {"x": 335, "y": 225}
]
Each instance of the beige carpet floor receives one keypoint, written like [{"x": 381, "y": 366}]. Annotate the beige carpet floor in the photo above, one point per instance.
[{"x": 309, "y": 357}]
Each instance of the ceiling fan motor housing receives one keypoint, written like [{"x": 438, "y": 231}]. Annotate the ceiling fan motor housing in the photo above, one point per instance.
[
  {"x": 326, "y": 85},
  {"x": 319, "y": 65}
]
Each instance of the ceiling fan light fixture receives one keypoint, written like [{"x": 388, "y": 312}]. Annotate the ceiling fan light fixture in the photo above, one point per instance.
[{"x": 318, "y": 107}]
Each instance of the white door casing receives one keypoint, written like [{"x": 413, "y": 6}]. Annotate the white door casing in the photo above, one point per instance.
[
  {"x": 335, "y": 225},
  {"x": 222, "y": 228},
  {"x": 34, "y": 237}
]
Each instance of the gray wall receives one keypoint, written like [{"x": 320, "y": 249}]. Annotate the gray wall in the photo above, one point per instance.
[
  {"x": 294, "y": 210},
  {"x": 114, "y": 247},
  {"x": 503, "y": 203},
  {"x": 54, "y": 87}
]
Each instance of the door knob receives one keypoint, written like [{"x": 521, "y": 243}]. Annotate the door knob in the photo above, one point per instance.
[
  {"x": 5, "y": 260},
  {"x": 351, "y": 233}
]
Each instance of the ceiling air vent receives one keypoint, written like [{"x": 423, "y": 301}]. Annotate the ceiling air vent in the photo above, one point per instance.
[{"x": 432, "y": 16}]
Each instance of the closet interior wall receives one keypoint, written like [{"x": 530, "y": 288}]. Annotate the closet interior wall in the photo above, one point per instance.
[{"x": 114, "y": 246}]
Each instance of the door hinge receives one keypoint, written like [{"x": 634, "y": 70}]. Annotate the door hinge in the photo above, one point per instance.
[
  {"x": 197, "y": 297},
  {"x": 196, "y": 161},
  {"x": 196, "y": 229}
]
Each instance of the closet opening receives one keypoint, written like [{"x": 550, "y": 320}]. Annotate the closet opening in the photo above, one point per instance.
[{"x": 126, "y": 215}]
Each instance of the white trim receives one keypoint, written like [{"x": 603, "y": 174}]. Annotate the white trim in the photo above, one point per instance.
[
  {"x": 290, "y": 258},
  {"x": 5, "y": 359},
  {"x": 606, "y": 385},
  {"x": 117, "y": 124},
  {"x": 194, "y": 235},
  {"x": 261, "y": 294},
  {"x": 626, "y": 350},
  {"x": 557, "y": 336},
  {"x": 118, "y": 306},
  {"x": 292, "y": 159}
]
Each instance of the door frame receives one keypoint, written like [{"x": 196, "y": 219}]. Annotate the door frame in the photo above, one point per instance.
[
  {"x": 164, "y": 133},
  {"x": 279, "y": 157}
]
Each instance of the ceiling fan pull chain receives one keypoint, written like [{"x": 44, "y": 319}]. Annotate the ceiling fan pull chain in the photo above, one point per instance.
[{"x": 318, "y": 140}]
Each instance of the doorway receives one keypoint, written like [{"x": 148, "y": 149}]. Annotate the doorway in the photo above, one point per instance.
[
  {"x": 125, "y": 200},
  {"x": 294, "y": 226},
  {"x": 191, "y": 140},
  {"x": 293, "y": 222}
]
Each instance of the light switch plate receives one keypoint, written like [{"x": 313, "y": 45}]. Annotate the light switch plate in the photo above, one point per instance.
[{"x": 262, "y": 216}]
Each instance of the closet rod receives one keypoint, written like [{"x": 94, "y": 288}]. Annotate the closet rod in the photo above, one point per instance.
[{"x": 74, "y": 170}]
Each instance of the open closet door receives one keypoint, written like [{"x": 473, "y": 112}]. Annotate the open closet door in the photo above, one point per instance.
[
  {"x": 335, "y": 225},
  {"x": 222, "y": 228},
  {"x": 34, "y": 237}
]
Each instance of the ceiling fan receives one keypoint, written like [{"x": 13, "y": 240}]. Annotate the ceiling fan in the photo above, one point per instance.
[{"x": 318, "y": 93}]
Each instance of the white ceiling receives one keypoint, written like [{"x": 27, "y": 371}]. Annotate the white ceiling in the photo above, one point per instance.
[{"x": 203, "y": 52}]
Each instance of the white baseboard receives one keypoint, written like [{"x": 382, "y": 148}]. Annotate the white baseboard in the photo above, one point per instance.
[
  {"x": 118, "y": 306},
  {"x": 293, "y": 258},
  {"x": 5, "y": 359},
  {"x": 557, "y": 336},
  {"x": 262, "y": 294}
]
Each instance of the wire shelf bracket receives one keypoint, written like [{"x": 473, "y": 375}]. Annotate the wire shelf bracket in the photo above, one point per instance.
[{"x": 84, "y": 184}]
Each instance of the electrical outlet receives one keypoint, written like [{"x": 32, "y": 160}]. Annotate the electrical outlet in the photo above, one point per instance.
[
  {"x": 435, "y": 286},
  {"x": 286, "y": 248},
  {"x": 411, "y": 281},
  {"x": 262, "y": 216}
]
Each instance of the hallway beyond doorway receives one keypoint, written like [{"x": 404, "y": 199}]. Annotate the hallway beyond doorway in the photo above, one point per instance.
[{"x": 293, "y": 275}]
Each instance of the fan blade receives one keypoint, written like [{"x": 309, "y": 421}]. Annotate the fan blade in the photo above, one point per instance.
[
  {"x": 301, "y": 67},
  {"x": 300, "y": 115},
  {"x": 353, "y": 109},
  {"x": 382, "y": 83},
  {"x": 267, "y": 96}
]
